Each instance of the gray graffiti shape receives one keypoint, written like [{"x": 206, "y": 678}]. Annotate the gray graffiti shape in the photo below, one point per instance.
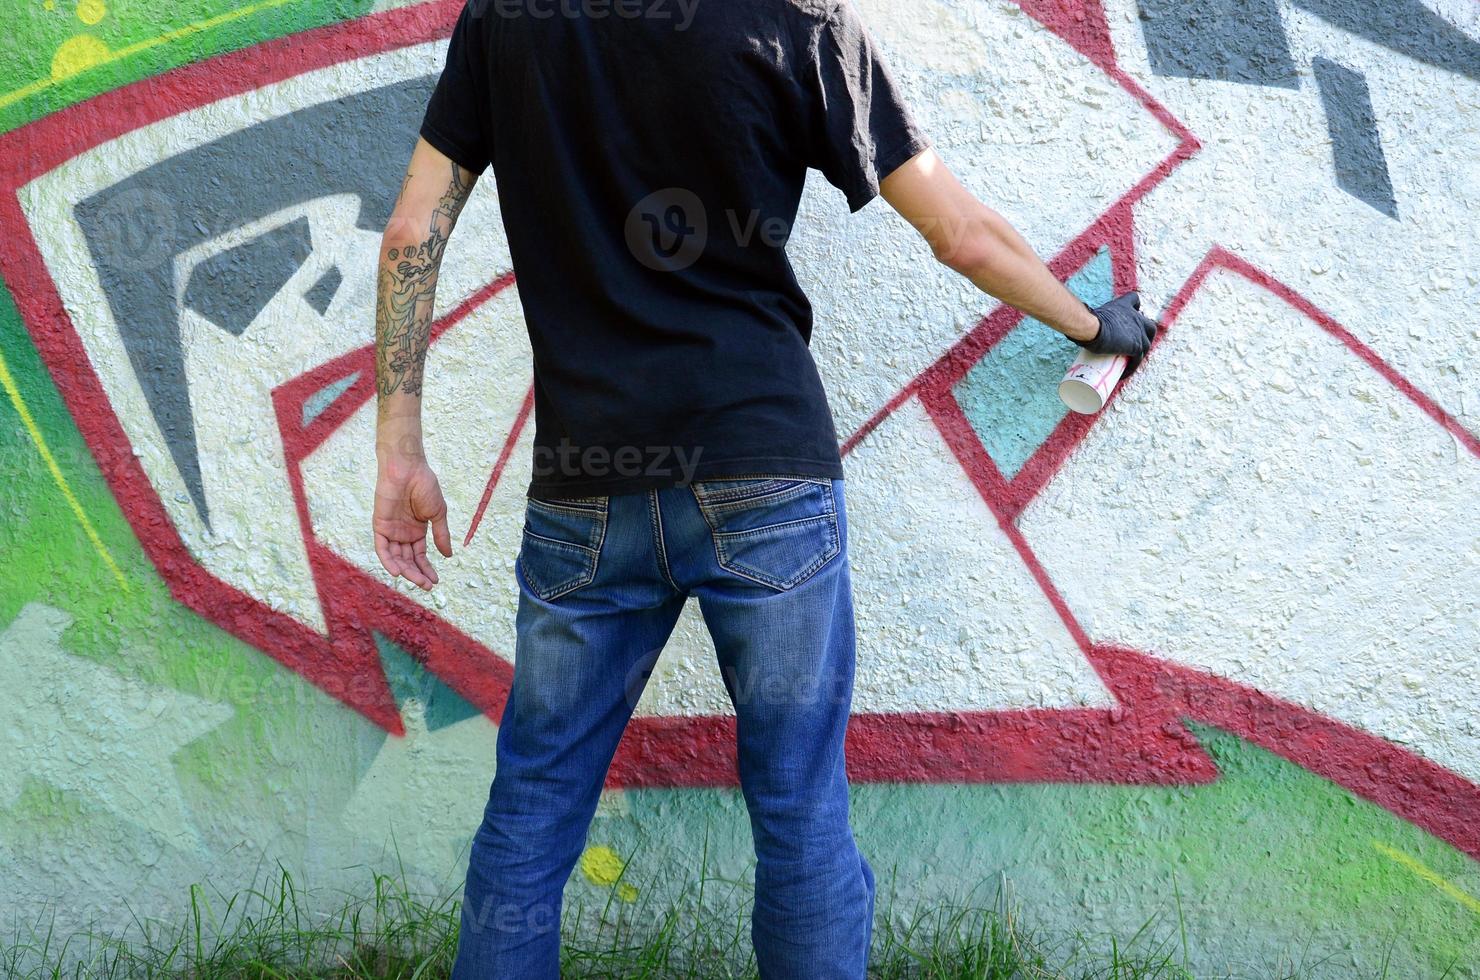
[
  {"x": 321, "y": 293},
  {"x": 358, "y": 145},
  {"x": 1361, "y": 167},
  {"x": 230, "y": 288},
  {"x": 1244, "y": 41}
]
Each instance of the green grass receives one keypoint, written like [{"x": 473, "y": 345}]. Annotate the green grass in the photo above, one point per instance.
[{"x": 272, "y": 931}]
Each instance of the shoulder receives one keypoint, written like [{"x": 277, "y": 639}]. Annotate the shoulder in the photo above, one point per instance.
[
  {"x": 815, "y": 12},
  {"x": 810, "y": 20}
]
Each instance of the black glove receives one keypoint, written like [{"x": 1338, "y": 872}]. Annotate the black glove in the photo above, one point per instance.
[{"x": 1123, "y": 330}]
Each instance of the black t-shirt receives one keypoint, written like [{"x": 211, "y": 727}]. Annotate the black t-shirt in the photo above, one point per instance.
[{"x": 649, "y": 169}]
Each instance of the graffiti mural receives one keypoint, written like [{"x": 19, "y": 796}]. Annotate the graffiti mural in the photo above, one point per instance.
[{"x": 1286, "y": 481}]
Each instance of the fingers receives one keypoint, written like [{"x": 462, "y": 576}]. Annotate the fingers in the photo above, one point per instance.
[
  {"x": 1149, "y": 328},
  {"x": 406, "y": 559},
  {"x": 442, "y": 536},
  {"x": 402, "y": 513},
  {"x": 387, "y": 560},
  {"x": 423, "y": 564},
  {"x": 428, "y": 504},
  {"x": 410, "y": 570}
]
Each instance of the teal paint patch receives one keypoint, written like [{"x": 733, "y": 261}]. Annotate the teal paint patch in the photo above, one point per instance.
[
  {"x": 409, "y": 679},
  {"x": 1095, "y": 281},
  {"x": 1010, "y": 396},
  {"x": 320, "y": 400}
]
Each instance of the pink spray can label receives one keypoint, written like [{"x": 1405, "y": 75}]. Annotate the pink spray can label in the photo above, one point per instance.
[{"x": 1090, "y": 379}]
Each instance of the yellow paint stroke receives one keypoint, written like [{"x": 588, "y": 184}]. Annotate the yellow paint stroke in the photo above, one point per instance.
[
  {"x": 77, "y": 55},
  {"x": 42, "y": 84},
  {"x": 8, "y": 382},
  {"x": 626, "y": 892},
  {"x": 91, "y": 11},
  {"x": 1431, "y": 876},
  {"x": 601, "y": 865}
]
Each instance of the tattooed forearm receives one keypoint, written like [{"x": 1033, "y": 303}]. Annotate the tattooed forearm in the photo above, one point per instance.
[{"x": 407, "y": 289}]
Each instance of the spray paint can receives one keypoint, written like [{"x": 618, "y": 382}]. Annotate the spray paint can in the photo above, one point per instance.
[{"x": 1090, "y": 379}]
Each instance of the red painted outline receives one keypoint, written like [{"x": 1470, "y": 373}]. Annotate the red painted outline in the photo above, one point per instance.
[
  {"x": 1082, "y": 23},
  {"x": 1139, "y": 741},
  {"x": 354, "y": 602},
  {"x": 356, "y": 678},
  {"x": 503, "y": 460},
  {"x": 1422, "y": 792},
  {"x": 1221, "y": 258},
  {"x": 1418, "y": 790}
]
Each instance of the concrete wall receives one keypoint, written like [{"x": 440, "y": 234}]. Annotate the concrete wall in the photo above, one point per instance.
[{"x": 1220, "y": 641}]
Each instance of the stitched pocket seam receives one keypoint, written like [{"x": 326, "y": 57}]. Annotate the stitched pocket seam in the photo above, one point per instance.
[
  {"x": 549, "y": 593},
  {"x": 599, "y": 509},
  {"x": 734, "y": 495},
  {"x": 591, "y": 552},
  {"x": 766, "y": 497},
  {"x": 729, "y": 563}
]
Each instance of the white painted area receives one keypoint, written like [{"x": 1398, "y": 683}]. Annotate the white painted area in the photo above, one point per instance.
[
  {"x": 1278, "y": 514},
  {"x": 1037, "y": 131},
  {"x": 254, "y": 536},
  {"x": 1263, "y": 186},
  {"x": 1031, "y": 126},
  {"x": 949, "y": 617},
  {"x": 686, "y": 680},
  {"x": 255, "y": 542}
]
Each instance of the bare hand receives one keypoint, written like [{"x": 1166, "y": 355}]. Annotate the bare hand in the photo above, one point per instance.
[{"x": 407, "y": 498}]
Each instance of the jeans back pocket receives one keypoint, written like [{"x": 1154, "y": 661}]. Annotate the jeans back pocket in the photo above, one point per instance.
[
  {"x": 562, "y": 542},
  {"x": 778, "y": 531}
]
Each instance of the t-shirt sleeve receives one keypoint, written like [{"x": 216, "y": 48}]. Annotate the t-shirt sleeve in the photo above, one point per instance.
[
  {"x": 455, "y": 121},
  {"x": 862, "y": 130}
]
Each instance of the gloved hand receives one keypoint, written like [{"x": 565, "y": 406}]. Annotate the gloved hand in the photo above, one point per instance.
[{"x": 1123, "y": 330}]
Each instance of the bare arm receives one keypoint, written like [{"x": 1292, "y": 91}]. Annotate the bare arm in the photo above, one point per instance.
[
  {"x": 407, "y": 495},
  {"x": 981, "y": 245},
  {"x": 411, "y": 250}
]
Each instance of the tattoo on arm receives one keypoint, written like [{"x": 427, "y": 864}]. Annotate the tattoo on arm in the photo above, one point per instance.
[{"x": 406, "y": 290}]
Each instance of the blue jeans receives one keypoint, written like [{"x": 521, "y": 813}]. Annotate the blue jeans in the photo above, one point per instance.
[{"x": 601, "y": 583}]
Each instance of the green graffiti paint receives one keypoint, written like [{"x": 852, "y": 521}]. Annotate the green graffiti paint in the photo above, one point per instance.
[
  {"x": 1268, "y": 853},
  {"x": 66, "y": 52},
  {"x": 44, "y": 543},
  {"x": 409, "y": 679},
  {"x": 278, "y": 726}
]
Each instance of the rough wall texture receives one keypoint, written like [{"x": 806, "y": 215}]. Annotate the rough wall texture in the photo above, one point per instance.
[{"x": 1220, "y": 641}]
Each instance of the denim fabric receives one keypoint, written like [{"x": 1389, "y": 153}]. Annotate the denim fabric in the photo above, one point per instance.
[{"x": 602, "y": 581}]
